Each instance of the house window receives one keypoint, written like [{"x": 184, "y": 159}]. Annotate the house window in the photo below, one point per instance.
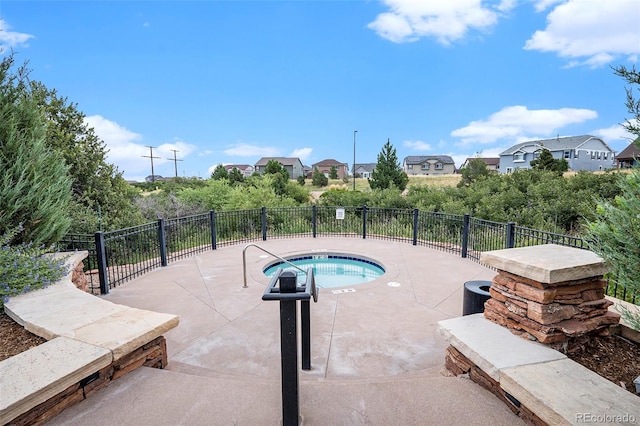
[
  {"x": 567, "y": 154},
  {"x": 518, "y": 157},
  {"x": 593, "y": 155},
  {"x": 509, "y": 170},
  {"x": 438, "y": 166},
  {"x": 599, "y": 155},
  {"x": 425, "y": 166},
  {"x": 604, "y": 156},
  {"x": 410, "y": 167},
  {"x": 576, "y": 153}
]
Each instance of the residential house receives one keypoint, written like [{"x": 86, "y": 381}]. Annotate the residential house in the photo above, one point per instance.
[
  {"x": 629, "y": 156},
  {"x": 364, "y": 170},
  {"x": 584, "y": 152},
  {"x": 245, "y": 169},
  {"x": 325, "y": 167},
  {"x": 154, "y": 178},
  {"x": 428, "y": 165},
  {"x": 492, "y": 163},
  {"x": 293, "y": 165}
]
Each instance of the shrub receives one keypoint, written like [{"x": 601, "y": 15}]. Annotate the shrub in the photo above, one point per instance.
[{"x": 25, "y": 267}]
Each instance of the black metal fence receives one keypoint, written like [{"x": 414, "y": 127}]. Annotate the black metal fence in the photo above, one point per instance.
[{"x": 118, "y": 256}]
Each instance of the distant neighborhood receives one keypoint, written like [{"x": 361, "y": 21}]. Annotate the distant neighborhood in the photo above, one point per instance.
[{"x": 584, "y": 152}]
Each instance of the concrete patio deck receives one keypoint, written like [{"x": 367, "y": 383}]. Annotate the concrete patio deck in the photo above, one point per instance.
[{"x": 377, "y": 356}]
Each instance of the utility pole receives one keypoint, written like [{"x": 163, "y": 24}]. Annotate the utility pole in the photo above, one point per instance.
[
  {"x": 354, "y": 159},
  {"x": 175, "y": 160},
  {"x": 150, "y": 156}
]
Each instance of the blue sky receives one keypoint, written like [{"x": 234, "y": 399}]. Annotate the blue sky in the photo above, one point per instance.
[{"x": 232, "y": 81}]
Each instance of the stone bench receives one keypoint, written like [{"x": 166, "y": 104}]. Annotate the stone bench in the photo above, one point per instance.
[
  {"x": 538, "y": 383},
  {"x": 90, "y": 342}
]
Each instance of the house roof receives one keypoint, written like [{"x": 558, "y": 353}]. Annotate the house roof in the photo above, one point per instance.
[
  {"x": 237, "y": 166},
  {"x": 419, "y": 159},
  {"x": 629, "y": 153},
  {"x": 329, "y": 162},
  {"x": 555, "y": 144},
  {"x": 489, "y": 161},
  {"x": 285, "y": 161},
  {"x": 369, "y": 167}
]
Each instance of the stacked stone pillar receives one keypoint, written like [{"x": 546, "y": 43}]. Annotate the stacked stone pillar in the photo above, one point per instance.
[{"x": 549, "y": 293}]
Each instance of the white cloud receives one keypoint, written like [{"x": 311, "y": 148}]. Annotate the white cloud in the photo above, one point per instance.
[
  {"x": 301, "y": 153},
  {"x": 126, "y": 151},
  {"x": 446, "y": 21},
  {"x": 11, "y": 38},
  {"x": 542, "y": 5},
  {"x": 417, "y": 145},
  {"x": 514, "y": 122},
  {"x": 205, "y": 153},
  {"x": 590, "y": 32},
  {"x": 615, "y": 133},
  {"x": 246, "y": 150}
]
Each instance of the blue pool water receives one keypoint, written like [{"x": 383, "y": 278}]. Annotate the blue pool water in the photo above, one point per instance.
[{"x": 331, "y": 270}]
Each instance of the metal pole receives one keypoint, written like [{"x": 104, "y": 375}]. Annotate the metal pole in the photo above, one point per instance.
[
  {"x": 289, "y": 351},
  {"x": 354, "y": 159}
]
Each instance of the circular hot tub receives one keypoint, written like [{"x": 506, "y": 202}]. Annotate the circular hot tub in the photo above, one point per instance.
[{"x": 331, "y": 270}]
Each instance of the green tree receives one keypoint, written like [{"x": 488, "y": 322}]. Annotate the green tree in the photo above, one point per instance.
[
  {"x": 219, "y": 173},
  {"x": 388, "y": 171},
  {"x": 546, "y": 162},
  {"x": 615, "y": 234},
  {"x": 35, "y": 190},
  {"x": 235, "y": 176},
  {"x": 333, "y": 174},
  {"x": 279, "y": 174},
  {"x": 100, "y": 193},
  {"x": 476, "y": 169},
  {"x": 632, "y": 125},
  {"x": 301, "y": 180},
  {"x": 319, "y": 179}
]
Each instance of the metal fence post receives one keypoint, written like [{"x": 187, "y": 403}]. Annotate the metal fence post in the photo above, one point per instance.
[
  {"x": 214, "y": 237},
  {"x": 264, "y": 223},
  {"x": 415, "y": 226},
  {"x": 162, "y": 240},
  {"x": 364, "y": 221},
  {"x": 511, "y": 234},
  {"x": 101, "y": 255},
  {"x": 314, "y": 216},
  {"x": 465, "y": 235}
]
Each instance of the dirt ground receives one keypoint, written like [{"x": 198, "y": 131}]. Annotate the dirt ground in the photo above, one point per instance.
[{"x": 612, "y": 357}]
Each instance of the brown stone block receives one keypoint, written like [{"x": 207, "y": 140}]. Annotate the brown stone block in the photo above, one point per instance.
[
  {"x": 550, "y": 313},
  {"x": 498, "y": 294},
  {"x": 516, "y": 308},
  {"x": 455, "y": 362},
  {"x": 589, "y": 281},
  {"x": 494, "y": 310},
  {"x": 51, "y": 407}
]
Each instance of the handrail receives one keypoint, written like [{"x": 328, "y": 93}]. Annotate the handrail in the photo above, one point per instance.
[{"x": 244, "y": 261}]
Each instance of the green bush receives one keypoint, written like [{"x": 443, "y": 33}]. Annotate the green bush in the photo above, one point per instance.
[{"x": 25, "y": 267}]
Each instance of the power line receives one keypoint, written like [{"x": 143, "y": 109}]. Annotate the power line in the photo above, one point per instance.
[
  {"x": 150, "y": 156},
  {"x": 175, "y": 160}
]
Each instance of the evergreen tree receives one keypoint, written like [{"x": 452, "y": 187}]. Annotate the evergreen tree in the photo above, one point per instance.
[
  {"x": 333, "y": 174},
  {"x": 388, "y": 171},
  {"x": 280, "y": 176},
  {"x": 546, "y": 162},
  {"x": 220, "y": 173},
  {"x": 633, "y": 104},
  {"x": 476, "y": 169},
  {"x": 35, "y": 190},
  {"x": 101, "y": 196},
  {"x": 319, "y": 179},
  {"x": 236, "y": 176}
]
